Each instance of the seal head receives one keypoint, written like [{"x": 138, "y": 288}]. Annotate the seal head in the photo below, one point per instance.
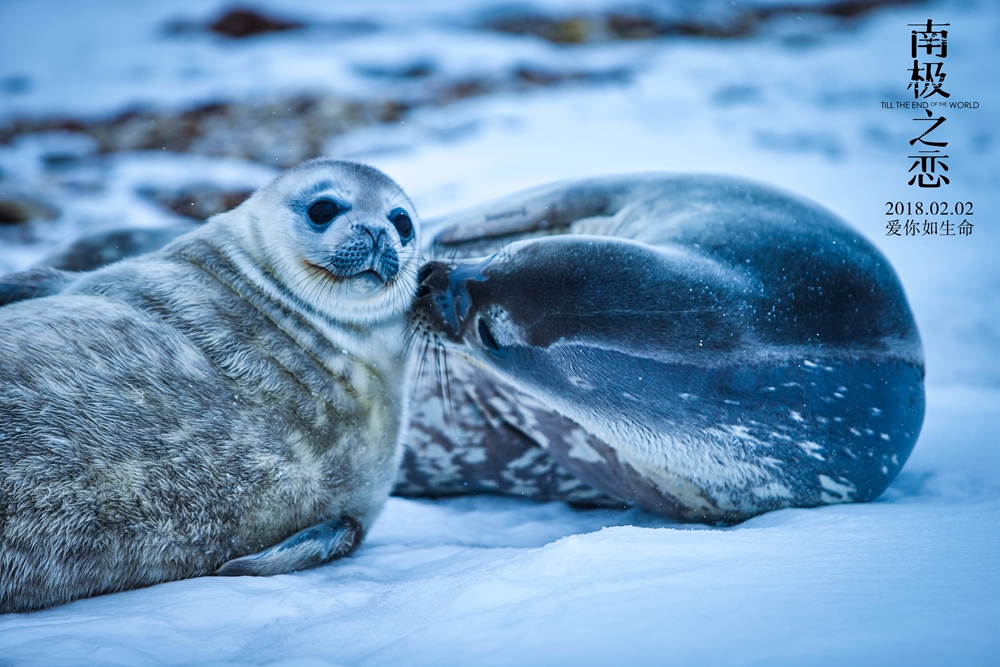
[{"x": 337, "y": 233}]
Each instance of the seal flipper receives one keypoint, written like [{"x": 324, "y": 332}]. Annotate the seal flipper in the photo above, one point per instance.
[
  {"x": 307, "y": 548},
  {"x": 549, "y": 209},
  {"x": 33, "y": 284}
]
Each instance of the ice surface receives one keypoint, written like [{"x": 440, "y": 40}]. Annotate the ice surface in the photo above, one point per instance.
[{"x": 909, "y": 579}]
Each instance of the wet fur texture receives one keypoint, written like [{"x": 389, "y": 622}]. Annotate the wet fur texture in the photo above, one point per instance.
[{"x": 166, "y": 414}]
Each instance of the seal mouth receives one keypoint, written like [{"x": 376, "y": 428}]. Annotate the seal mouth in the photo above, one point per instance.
[
  {"x": 366, "y": 279},
  {"x": 368, "y": 273},
  {"x": 441, "y": 301}
]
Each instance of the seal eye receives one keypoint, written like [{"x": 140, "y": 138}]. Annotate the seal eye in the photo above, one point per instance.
[
  {"x": 323, "y": 211},
  {"x": 401, "y": 221},
  {"x": 487, "y": 337}
]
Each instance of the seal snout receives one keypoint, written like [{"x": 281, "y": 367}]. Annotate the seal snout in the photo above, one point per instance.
[
  {"x": 443, "y": 298},
  {"x": 369, "y": 251}
]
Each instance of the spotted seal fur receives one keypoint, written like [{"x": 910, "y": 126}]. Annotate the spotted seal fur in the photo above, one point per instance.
[{"x": 705, "y": 347}]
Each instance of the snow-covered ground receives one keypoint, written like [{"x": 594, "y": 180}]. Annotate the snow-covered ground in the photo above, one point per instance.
[{"x": 910, "y": 579}]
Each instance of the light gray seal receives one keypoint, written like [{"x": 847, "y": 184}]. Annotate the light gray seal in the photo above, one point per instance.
[
  {"x": 232, "y": 403},
  {"x": 705, "y": 347}
]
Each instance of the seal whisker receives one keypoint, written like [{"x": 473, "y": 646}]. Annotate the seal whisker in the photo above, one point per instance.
[
  {"x": 421, "y": 365},
  {"x": 410, "y": 336},
  {"x": 443, "y": 392},
  {"x": 446, "y": 393},
  {"x": 308, "y": 285}
]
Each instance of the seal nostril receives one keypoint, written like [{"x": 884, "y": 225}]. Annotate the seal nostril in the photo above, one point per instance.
[
  {"x": 425, "y": 271},
  {"x": 423, "y": 290},
  {"x": 487, "y": 337}
]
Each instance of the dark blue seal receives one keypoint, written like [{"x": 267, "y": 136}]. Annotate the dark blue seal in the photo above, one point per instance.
[{"x": 705, "y": 347}]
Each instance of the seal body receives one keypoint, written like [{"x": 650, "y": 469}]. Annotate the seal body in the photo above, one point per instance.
[
  {"x": 705, "y": 347},
  {"x": 235, "y": 399}
]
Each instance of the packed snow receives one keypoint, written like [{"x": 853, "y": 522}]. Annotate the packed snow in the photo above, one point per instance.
[{"x": 910, "y": 579}]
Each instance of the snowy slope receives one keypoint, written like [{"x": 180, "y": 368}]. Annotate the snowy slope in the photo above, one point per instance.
[{"x": 909, "y": 579}]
